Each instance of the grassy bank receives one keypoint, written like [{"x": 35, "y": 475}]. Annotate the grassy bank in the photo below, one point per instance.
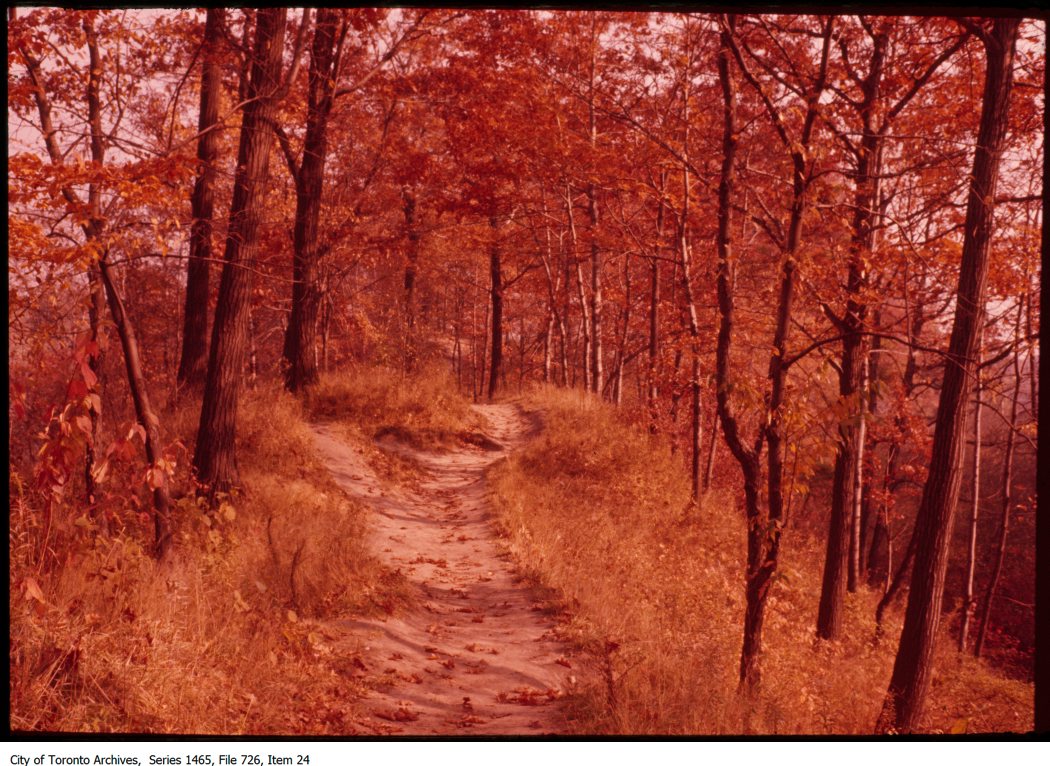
[
  {"x": 424, "y": 410},
  {"x": 598, "y": 511},
  {"x": 229, "y": 636}
]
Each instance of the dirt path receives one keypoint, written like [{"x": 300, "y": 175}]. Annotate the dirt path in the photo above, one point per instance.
[{"x": 477, "y": 656}]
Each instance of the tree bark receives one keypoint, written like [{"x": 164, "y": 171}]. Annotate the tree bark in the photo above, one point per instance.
[
  {"x": 301, "y": 336},
  {"x": 193, "y": 362},
  {"x": 857, "y": 500},
  {"x": 969, "y": 603},
  {"x": 757, "y": 580},
  {"x": 653, "y": 390},
  {"x": 592, "y": 213},
  {"x": 144, "y": 412},
  {"x": 214, "y": 459},
  {"x": 1006, "y": 490},
  {"x": 584, "y": 310},
  {"x": 764, "y": 532},
  {"x": 497, "y": 309},
  {"x": 412, "y": 257},
  {"x": 838, "y": 573},
  {"x": 912, "y": 670}
]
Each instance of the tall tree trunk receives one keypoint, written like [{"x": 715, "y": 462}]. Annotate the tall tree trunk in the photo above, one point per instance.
[
  {"x": 497, "y": 309},
  {"x": 654, "y": 310},
  {"x": 838, "y": 573},
  {"x": 869, "y": 518},
  {"x": 1006, "y": 491},
  {"x": 412, "y": 258},
  {"x": 214, "y": 459},
  {"x": 746, "y": 456},
  {"x": 300, "y": 339},
  {"x": 764, "y": 534},
  {"x": 857, "y": 500},
  {"x": 592, "y": 213},
  {"x": 709, "y": 471},
  {"x": 193, "y": 363},
  {"x": 912, "y": 670},
  {"x": 93, "y": 231},
  {"x": 584, "y": 310},
  {"x": 695, "y": 425},
  {"x": 969, "y": 603},
  {"x": 144, "y": 412}
]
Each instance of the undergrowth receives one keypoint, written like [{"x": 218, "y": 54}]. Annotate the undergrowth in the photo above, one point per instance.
[
  {"x": 424, "y": 410},
  {"x": 599, "y": 511},
  {"x": 230, "y": 635}
]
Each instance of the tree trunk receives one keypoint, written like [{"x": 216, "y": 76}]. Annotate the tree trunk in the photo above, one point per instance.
[
  {"x": 144, "y": 412},
  {"x": 193, "y": 363},
  {"x": 654, "y": 309},
  {"x": 695, "y": 426},
  {"x": 969, "y": 603},
  {"x": 412, "y": 257},
  {"x": 214, "y": 459},
  {"x": 592, "y": 213},
  {"x": 1005, "y": 490},
  {"x": 709, "y": 471},
  {"x": 497, "y": 309},
  {"x": 584, "y": 310},
  {"x": 93, "y": 231},
  {"x": 857, "y": 500},
  {"x": 764, "y": 533},
  {"x": 654, "y": 339},
  {"x": 912, "y": 670},
  {"x": 750, "y": 671},
  {"x": 839, "y": 574},
  {"x": 301, "y": 336}
]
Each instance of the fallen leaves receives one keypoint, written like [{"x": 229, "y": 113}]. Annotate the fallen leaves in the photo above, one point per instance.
[
  {"x": 526, "y": 695},
  {"x": 401, "y": 714}
]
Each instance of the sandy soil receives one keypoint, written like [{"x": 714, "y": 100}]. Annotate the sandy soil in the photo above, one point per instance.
[{"x": 476, "y": 655}]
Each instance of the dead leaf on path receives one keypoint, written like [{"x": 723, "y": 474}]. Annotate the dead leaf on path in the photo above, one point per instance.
[
  {"x": 401, "y": 714},
  {"x": 525, "y": 695},
  {"x": 564, "y": 662}
]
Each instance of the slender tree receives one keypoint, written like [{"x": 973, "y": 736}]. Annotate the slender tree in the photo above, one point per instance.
[
  {"x": 300, "y": 339},
  {"x": 912, "y": 669}
]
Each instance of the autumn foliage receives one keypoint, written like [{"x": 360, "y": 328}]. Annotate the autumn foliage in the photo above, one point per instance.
[{"x": 771, "y": 283}]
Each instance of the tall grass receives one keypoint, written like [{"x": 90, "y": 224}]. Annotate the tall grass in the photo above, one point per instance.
[
  {"x": 424, "y": 409},
  {"x": 231, "y": 636},
  {"x": 599, "y": 511}
]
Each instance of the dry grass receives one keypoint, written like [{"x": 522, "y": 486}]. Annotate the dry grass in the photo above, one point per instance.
[
  {"x": 599, "y": 511},
  {"x": 425, "y": 410},
  {"x": 230, "y": 637}
]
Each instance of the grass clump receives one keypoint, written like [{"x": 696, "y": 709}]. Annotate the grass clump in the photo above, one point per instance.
[
  {"x": 232, "y": 636},
  {"x": 599, "y": 511},
  {"x": 424, "y": 410}
]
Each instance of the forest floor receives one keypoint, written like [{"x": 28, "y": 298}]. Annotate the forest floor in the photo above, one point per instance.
[{"x": 476, "y": 652}]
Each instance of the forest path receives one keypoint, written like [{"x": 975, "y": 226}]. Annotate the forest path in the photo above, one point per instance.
[{"x": 476, "y": 654}]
